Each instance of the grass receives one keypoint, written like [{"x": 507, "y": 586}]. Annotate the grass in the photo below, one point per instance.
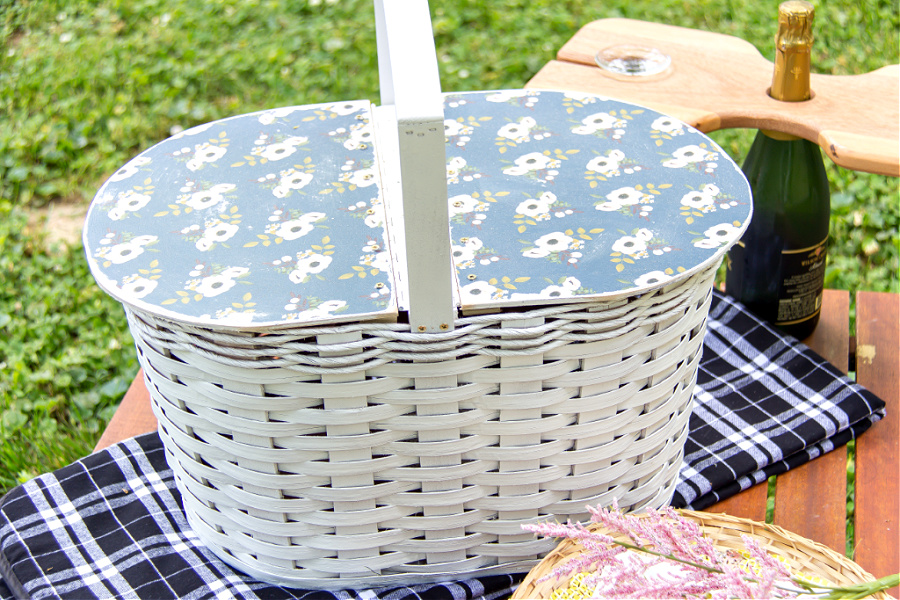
[{"x": 87, "y": 84}]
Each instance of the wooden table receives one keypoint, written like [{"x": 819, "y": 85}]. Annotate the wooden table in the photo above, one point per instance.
[{"x": 810, "y": 500}]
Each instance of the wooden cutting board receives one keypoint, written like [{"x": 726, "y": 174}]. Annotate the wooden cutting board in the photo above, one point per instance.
[{"x": 717, "y": 81}]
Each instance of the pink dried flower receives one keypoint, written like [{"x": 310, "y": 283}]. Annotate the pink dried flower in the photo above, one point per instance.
[{"x": 673, "y": 559}]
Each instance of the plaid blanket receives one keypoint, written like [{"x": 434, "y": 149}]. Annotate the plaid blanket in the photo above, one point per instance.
[{"x": 111, "y": 524}]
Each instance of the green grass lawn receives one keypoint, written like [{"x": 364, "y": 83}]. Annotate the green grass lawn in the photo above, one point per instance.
[{"x": 87, "y": 84}]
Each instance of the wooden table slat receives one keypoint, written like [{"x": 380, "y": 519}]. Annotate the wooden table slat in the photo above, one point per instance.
[
  {"x": 811, "y": 500},
  {"x": 133, "y": 417},
  {"x": 749, "y": 504},
  {"x": 878, "y": 450}
]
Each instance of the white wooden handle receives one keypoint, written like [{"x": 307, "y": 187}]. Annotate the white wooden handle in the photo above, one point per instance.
[{"x": 410, "y": 85}]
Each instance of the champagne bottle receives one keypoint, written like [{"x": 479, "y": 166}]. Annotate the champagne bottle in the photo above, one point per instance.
[{"x": 777, "y": 269}]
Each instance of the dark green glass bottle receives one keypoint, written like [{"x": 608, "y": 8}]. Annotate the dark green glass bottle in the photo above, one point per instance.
[{"x": 777, "y": 269}]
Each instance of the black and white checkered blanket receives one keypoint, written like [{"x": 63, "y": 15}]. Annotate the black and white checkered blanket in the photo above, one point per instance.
[{"x": 111, "y": 525}]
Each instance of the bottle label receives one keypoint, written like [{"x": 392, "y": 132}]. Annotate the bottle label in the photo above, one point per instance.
[{"x": 803, "y": 272}]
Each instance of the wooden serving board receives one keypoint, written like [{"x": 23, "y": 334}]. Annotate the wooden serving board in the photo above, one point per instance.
[{"x": 717, "y": 81}]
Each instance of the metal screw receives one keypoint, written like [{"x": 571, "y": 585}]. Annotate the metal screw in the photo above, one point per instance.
[
  {"x": 471, "y": 276},
  {"x": 445, "y": 326},
  {"x": 421, "y": 328}
]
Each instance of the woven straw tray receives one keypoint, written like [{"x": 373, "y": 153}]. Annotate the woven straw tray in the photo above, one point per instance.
[{"x": 803, "y": 555}]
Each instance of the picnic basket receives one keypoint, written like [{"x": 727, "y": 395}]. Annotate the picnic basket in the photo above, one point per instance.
[
  {"x": 803, "y": 556},
  {"x": 349, "y": 391}
]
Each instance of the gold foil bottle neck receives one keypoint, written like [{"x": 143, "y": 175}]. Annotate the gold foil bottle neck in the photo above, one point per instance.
[
  {"x": 793, "y": 44},
  {"x": 795, "y": 19}
]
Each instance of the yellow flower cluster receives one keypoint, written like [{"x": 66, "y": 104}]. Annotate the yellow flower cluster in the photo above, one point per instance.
[{"x": 576, "y": 589}]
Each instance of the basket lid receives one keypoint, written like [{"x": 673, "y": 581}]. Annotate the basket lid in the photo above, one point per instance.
[
  {"x": 259, "y": 220},
  {"x": 277, "y": 218},
  {"x": 569, "y": 195}
]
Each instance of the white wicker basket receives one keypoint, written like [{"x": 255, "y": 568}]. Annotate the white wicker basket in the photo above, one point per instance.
[{"x": 326, "y": 454}]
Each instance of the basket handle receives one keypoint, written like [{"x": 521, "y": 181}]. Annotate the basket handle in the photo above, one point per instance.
[{"x": 410, "y": 85}]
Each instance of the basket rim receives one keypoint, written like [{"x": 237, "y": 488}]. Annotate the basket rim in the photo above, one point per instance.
[{"x": 721, "y": 527}]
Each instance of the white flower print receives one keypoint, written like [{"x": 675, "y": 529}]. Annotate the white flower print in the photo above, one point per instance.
[
  {"x": 270, "y": 116},
  {"x": 214, "y": 285},
  {"x": 231, "y": 316},
  {"x": 130, "y": 168},
  {"x": 668, "y": 125},
  {"x": 291, "y": 179},
  {"x": 461, "y": 204},
  {"x": 360, "y": 137},
  {"x": 535, "y": 207},
  {"x": 192, "y": 131},
  {"x": 620, "y": 198},
  {"x": 128, "y": 201},
  {"x": 135, "y": 287},
  {"x": 697, "y": 200},
  {"x": 279, "y": 150},
  {"x": 517, "y": 132},
  {"x": 688, "y": 155},
  {"x": 309, "y": 265},
  {"x": 216, "y": 231},
  {"x": 633, "y": 244},
  {"x": 463, "y": 256},
  {"x": 452, "y": 128},
  {"x": 329, "y": 306},
  {"x": 564, "y": 289},
  {"x": 606, "y": 164},
  {"x": 205, "y": 153},
  {"x": 208, "y": 198},
  {"x": 480, "y": 291},
  {"x": 363, "y": 177},
  {"x": 382, "y": 261},
  {"x": 718, "y": 236},
  {"x": 376, "y": 218},
  {"x": 455, "y": 165},
  {"x": 557, "y": 291},
  {"x": 320, "y": 311},
  {"x": 530, "y": 98},
  {"x": 295, "y": 228},
  {"x": 598, "y": 122},
  {"x": 651, "y": 278},
  {"x": 292, "y": 229},
  {"x": 533, "y": 161},
  {"x": 554, "y": 242},
  {"x": 345, "y": 108},
  {"x": 126, "y": 251}
]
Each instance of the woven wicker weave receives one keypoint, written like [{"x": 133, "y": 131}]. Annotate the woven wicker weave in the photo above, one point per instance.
[
  {"x": 347, "y": 452},
  {"x": 803, "y": 555}
]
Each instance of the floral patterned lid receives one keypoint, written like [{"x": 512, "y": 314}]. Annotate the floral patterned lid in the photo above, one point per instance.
[
  {"x": 262, "y": 219},
  {"x": 561, "y": 195},
  {"x": 276, "y": 218}
]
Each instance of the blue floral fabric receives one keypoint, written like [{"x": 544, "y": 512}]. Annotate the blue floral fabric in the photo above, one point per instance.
[{"x": 278, "y": 217}]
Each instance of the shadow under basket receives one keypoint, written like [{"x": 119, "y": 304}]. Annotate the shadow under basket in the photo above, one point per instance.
[{"x": 366, "y": 454}]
